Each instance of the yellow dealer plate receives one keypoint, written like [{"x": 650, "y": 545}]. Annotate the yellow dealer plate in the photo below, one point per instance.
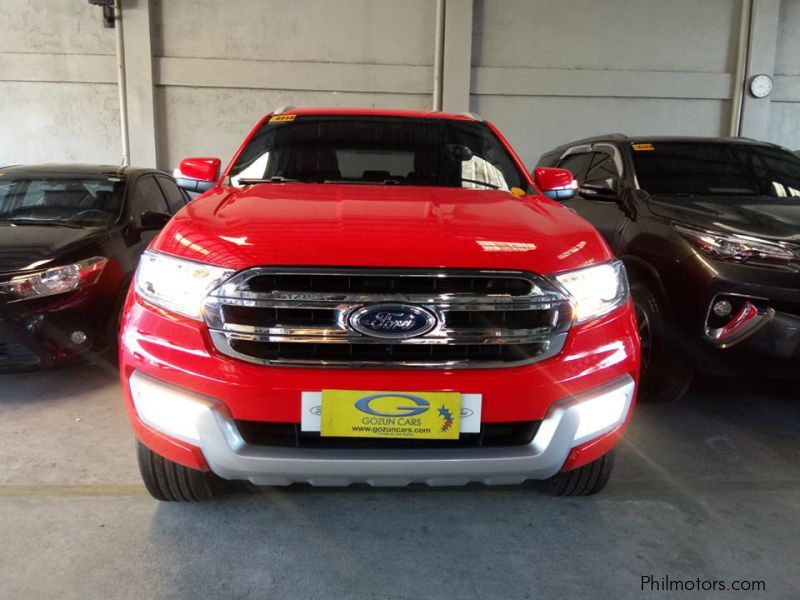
[{"x": 403, "y": 415}]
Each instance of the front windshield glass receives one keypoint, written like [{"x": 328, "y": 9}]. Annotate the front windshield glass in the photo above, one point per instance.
[
  {"x": 377, "y": 151},
  {"x": 90, "y": 202},
  {"x": 716, "y": 169}
]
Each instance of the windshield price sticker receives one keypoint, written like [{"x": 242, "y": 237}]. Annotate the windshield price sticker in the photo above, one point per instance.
[
  {"x": 403, "y": 415},
  {"x": 282, "y": 118}
]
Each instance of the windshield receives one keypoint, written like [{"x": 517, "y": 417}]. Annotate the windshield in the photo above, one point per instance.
[
  {"x": 377, "y": 151},
  {"x": 91, "y": 202},
  {"x": 716, "y": 169}
]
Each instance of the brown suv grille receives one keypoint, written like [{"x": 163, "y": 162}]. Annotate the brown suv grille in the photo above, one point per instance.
[{"x": 301, "y": 317}]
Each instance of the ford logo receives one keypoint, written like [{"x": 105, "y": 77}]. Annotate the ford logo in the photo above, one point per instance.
[{"x": 392, "y": 321}]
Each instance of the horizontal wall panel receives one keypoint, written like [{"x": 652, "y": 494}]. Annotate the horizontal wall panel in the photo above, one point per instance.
[
  {"x": 640, "y": 35},
  {"x": 59, "y": 122},
  {"x": 68, "y": 68},
  {"x": 605, "y": 83},
  {"x": 341, "y": 31},
  {"x": 787, "y": 58},
  {"x": 276, "y": 75},
  {"x": 784, "y": 124},
  {"x": 54, "y": 27},
  {"x": 787, "y": 89}
]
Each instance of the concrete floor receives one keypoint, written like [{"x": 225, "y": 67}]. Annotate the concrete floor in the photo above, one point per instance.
[{"x": 708, "y": 488}]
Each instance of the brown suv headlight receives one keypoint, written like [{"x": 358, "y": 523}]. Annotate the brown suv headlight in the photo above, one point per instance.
[{"x": 737, "y": 248}]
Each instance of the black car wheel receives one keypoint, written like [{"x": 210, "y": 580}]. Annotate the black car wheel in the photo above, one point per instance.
[
  {"x": 583, "y": 481},
  {"x": 170, "y": 482},
  {"x": 666, "y": 373}
]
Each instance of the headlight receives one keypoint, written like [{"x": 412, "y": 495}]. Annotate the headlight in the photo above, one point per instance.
[
  {"x": 595, "y": 290},
  {"x": 739, "y": 248},
  {"x": 57, "y": 280},
  {"x": 177, "y": 285}
]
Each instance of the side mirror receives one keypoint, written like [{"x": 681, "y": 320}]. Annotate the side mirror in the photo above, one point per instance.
[
  {"x": 153, "y": 221},
  {"x": 197, "y": 174},
  {"x": 592, "y": 191},
  {"x": 557, "y": 184}
]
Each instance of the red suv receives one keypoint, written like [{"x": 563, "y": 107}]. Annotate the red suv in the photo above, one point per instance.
[{"x": 381, "y": 297}]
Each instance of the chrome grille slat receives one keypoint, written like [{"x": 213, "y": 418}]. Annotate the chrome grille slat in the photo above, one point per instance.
[
  {"x": 309, "y": 301},
  {"x": 305, "y": 326},
  {"x": 327, "y": 336}
]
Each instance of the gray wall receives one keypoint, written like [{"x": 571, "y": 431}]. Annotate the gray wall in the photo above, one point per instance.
[
  {"x": 582, "y": 67},
  {"x": 784, "y": 113},
  {"x": 213, "y": 86},
  {"x": 58, "y": 97},
  {"x": 201, "y": 72}
]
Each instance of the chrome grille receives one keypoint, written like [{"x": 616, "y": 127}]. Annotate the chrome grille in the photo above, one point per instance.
[{"x": 299, "y": 317}]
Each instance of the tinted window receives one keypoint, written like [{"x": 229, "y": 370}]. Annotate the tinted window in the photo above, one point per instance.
[
  {"x": 603, "y": 171},
  {"x": 379, "y": 150},
  {"x": 716, "y": 169},
  {"x": 66, "y": 200},
  {"x": 175, "y": 199},
  {"x": 147, "y": 196},
  {"x": 576, "y": 164}
]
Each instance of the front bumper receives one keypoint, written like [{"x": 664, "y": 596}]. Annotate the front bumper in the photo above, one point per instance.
[
  {"x": 206, "y": 423},
  {"x": 178, "y": 353},
  {"x": 697, "y": 282},
  {"x": 41, "y": 339}
]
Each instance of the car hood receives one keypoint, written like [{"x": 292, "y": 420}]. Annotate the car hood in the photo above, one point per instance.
[
  {"x": 758, "y": 216},
  {"x": 27, "y": 247},
  {"x": 380, "y": 226}
]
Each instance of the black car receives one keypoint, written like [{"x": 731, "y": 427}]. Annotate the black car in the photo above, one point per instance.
[
  {"x": 709, "y": 231},
  {"x": 70, "y": 239}
]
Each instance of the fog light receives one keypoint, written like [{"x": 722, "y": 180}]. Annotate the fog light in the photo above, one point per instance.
[
  {"x": 77, "y": 337},
  {"x": 722, "y": 308},
  {"x": 602, "y": 413},
  {"x": 168, "y": 409}
]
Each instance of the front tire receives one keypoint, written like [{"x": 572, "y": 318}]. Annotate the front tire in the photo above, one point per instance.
[
  {"x": 170, "y": 482},
  {"x": 583, "y": 481},
  {"x": 666, "y": 374}
]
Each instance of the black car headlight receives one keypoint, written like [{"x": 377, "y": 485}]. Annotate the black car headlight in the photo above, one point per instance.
[{"x": 57, "y": 280}]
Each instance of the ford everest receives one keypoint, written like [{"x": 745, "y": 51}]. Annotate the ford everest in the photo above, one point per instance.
[{"x": 380, "y": 297}]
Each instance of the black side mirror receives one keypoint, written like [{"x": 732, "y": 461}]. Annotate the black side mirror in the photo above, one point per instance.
[
  {"x": 598, "y": 192},
  {"x": 153, "y": 221}
]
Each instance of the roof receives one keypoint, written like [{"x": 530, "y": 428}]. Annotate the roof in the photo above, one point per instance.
[
  {"x": 72, "y": 170},
  {"x": 381, "y": 112},
  {"x": 641, "y": 139},
  {"x": 691, "y": 139}
]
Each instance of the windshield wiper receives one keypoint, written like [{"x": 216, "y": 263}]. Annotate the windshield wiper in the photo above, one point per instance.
[
  {"x": 274, "y": 179},
  {"x": 42, "y": 222},
  {"x": 483, "y": 183},
  {"x": 365, "y": 182}
]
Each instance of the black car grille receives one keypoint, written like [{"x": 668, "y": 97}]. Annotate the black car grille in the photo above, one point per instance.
[
  {"x": 14, "y": 354},
  {"x": 301, "y": 317},
  {"x": 289, "y": 435}
]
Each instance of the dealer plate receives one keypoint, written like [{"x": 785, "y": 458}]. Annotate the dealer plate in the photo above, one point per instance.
[{"x": 382, "y": 414}]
